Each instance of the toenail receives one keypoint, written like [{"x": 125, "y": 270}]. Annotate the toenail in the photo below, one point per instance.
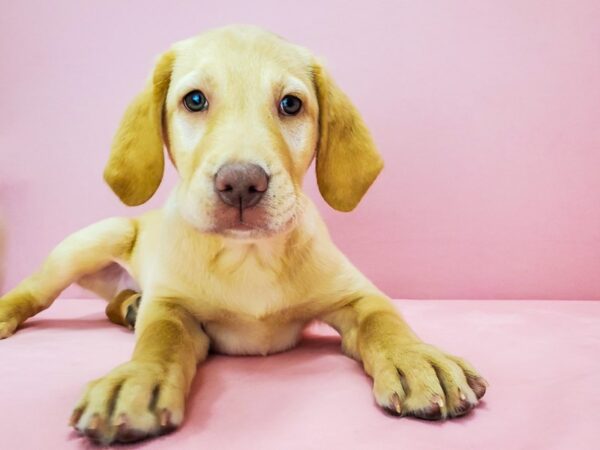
[
  {"x": 121, "y": 421},
  {"x": 165, "y": 418},
  {"x": 462, "y": 408},
  {"x": 75, "y": 416},
  {"x": 94, "y": 422},
  {"x": 396, "y": 403}
]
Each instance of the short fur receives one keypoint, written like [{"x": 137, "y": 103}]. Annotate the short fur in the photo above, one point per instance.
[{"x": 212, "y": 278}]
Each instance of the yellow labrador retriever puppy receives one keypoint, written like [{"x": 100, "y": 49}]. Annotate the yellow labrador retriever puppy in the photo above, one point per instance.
[{"x": 238, "y": 260}]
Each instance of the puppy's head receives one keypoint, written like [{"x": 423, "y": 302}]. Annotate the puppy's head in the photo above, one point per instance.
[{"x": 242, "y": 113}]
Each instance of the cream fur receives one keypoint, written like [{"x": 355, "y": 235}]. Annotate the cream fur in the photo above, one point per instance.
[{"x": 236, "y": 291}]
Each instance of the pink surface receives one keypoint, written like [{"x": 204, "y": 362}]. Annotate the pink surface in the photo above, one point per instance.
[
  {"x": 487, "y": 114},
  {"x": 541, "y": 359}
]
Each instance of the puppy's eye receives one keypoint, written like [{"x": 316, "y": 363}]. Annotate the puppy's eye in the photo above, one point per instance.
[
  {"x": 195, "y": 101},
  {"x": 290, "y": 105}
]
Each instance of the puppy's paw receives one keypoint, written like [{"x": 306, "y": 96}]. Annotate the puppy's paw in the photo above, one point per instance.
[
  {"x": 15, "y": 307},
  {"x": 123, "y": 308},
  {"x": 133, "y": 402},
  {"x": 13, "y": 310},
  {"x": 7, "y": 326},
  {"x": 421, "y": 381},
  {"x": 132, "y": 306}
]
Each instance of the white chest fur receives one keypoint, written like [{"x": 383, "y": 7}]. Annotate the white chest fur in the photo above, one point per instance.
[
  {"x": 239, "y": 297},
  {"x": 248, "y": 280},
  {"x": 252, "y": 337},
  {"x": 252, "y": 292}
]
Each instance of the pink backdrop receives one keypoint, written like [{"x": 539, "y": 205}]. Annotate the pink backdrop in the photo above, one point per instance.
[{"x": 487, "y": 113}]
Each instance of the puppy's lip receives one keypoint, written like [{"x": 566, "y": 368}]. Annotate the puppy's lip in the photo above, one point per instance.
[
  {"x": 238, "y": 226},
  {"x": 255, "y": 222},
  {"x": 229, "y": 218},
  {"x": 243, "y": 226},
  {"x": 243, "y": 232}
]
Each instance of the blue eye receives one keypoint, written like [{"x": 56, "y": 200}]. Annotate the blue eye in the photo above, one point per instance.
[
  {"x": 290, "y": 105},
  {"x": 195, "y": 101}
]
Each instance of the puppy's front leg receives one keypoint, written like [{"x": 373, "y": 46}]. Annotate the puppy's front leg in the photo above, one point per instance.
[
  {"x": 410, "y": 377},
  {"x": 146, "y": 396}
]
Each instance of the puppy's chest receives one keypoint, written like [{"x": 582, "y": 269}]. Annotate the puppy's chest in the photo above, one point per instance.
[
  {"x": 248, "y": 285},
  {"x": 240, "y": 282},
  {"x": 248, "y": 299},
  {"x": 253, "y": 311}
]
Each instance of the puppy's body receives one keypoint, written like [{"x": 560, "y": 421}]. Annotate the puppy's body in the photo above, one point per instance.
[
  {"x": 251, "y": 296},
  {"x": 238, "y": 260}
]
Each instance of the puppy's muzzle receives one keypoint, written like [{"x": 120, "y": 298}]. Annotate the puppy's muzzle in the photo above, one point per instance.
[{"x": 241, "y": 185}]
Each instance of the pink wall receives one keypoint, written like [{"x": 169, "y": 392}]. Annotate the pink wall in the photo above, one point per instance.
[{"x": 487, "y": 113}]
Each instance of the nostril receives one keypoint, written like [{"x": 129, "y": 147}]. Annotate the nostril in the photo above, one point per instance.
[
  {"x": 227, "y": 187},
  {"x": 259, "y": 184},
  {"x": 253, "y": 189}
]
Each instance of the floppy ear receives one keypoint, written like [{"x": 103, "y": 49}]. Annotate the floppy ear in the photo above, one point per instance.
[
  {"x": 135, "y": 167},
  {"x": 347, "y": 160}
]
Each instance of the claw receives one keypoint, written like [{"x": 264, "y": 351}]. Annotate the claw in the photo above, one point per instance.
[
  {"x": 479, "y": 385},
  {"x": 165, "y": 418},
  {"x": 131, "y": 317},
  {"x": 124, "y": 433},
  {"x": 127, "y": 435},
  {"x": 75, "y": 416},
  {"x": 121, "y": 421},
  {"x": 438, "y": 401},
  {"x": 433, "y": 411},
  {"x": 93, "y": 429},
  {"x": 463, "y": 407},
  {"x": 94, "y": 422},
  {"x": 396, "y": 403}
]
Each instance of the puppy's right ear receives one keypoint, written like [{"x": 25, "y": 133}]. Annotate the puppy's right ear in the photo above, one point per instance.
[{"x": 135, "y": 167}]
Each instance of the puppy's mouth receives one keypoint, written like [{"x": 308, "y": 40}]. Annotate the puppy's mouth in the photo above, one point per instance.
[
  {"x": 255, "y": 222},
  {"x": 241, "y": 222}
]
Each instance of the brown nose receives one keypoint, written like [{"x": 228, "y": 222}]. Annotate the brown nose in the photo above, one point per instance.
[{"x": 241, "y": 184}]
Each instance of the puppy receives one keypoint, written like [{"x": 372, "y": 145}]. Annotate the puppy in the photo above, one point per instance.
[{"x": 238, "y": 260}]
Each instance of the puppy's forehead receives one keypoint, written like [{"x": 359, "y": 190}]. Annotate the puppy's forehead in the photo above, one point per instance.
[{"x": 244, "y": 49}]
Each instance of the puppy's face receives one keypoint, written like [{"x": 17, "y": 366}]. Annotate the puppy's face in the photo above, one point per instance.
[
  {"x": 242, "y": 113},
  {"x": 241, "y": 116}
]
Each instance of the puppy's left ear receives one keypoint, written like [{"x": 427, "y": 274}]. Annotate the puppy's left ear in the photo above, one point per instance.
[
  {"x": 347, "y": 160},
  {"x": 136, "y": 164}
]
